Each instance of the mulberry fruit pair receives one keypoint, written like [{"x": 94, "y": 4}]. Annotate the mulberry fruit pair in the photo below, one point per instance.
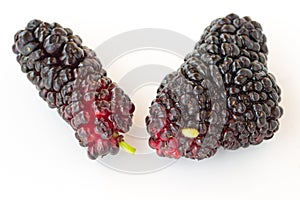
[{"x": 222, "y": 95}]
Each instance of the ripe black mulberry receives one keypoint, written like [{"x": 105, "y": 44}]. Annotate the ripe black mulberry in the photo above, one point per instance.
[
  {"x": 70, "y": 77},
  {"x": 236, "y": 102}
]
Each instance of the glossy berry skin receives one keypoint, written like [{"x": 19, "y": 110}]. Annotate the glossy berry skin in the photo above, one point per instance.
[
  {"x": 238, "y": 48},
  {"x": 70, "y": 77},
  {"x": 232, "y": 52}
]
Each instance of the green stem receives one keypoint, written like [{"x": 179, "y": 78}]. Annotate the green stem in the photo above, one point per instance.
[
  {"x": 124, "y": 145},
  {"x": 190, "y": 132}
]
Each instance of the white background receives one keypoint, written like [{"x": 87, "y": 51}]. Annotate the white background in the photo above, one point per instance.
[{"x": 41, "y": 159}]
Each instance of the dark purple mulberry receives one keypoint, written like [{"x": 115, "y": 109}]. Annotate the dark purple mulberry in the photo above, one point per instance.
[
  {"x": 238, "y": 100},
  {"x": 243, "y": 54},
  {"x": 70, "y": 77}
]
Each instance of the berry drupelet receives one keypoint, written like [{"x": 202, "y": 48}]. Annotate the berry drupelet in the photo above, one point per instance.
[
  {"x": 234, "y": 101},
  {"x": 70, "y": 77}
]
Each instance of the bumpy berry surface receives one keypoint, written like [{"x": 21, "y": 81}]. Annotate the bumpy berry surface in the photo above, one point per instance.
[
  {"x": 188, "y": 99},
  {"x": 247, "y": 105},
  {"x": 238, "y": 47},
  {"x": 70, "y": 77}
]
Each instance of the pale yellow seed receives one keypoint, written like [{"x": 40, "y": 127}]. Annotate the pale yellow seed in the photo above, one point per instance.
[{"x": 190, "y": 132}]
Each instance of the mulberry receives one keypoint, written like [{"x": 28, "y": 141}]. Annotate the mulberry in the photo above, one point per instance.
[
  {"x": 223, "y": 94},
  {"x": 70, "y": 77}
]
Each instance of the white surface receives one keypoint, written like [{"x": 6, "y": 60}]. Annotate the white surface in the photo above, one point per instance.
[{"x": 41, "y": 159}]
